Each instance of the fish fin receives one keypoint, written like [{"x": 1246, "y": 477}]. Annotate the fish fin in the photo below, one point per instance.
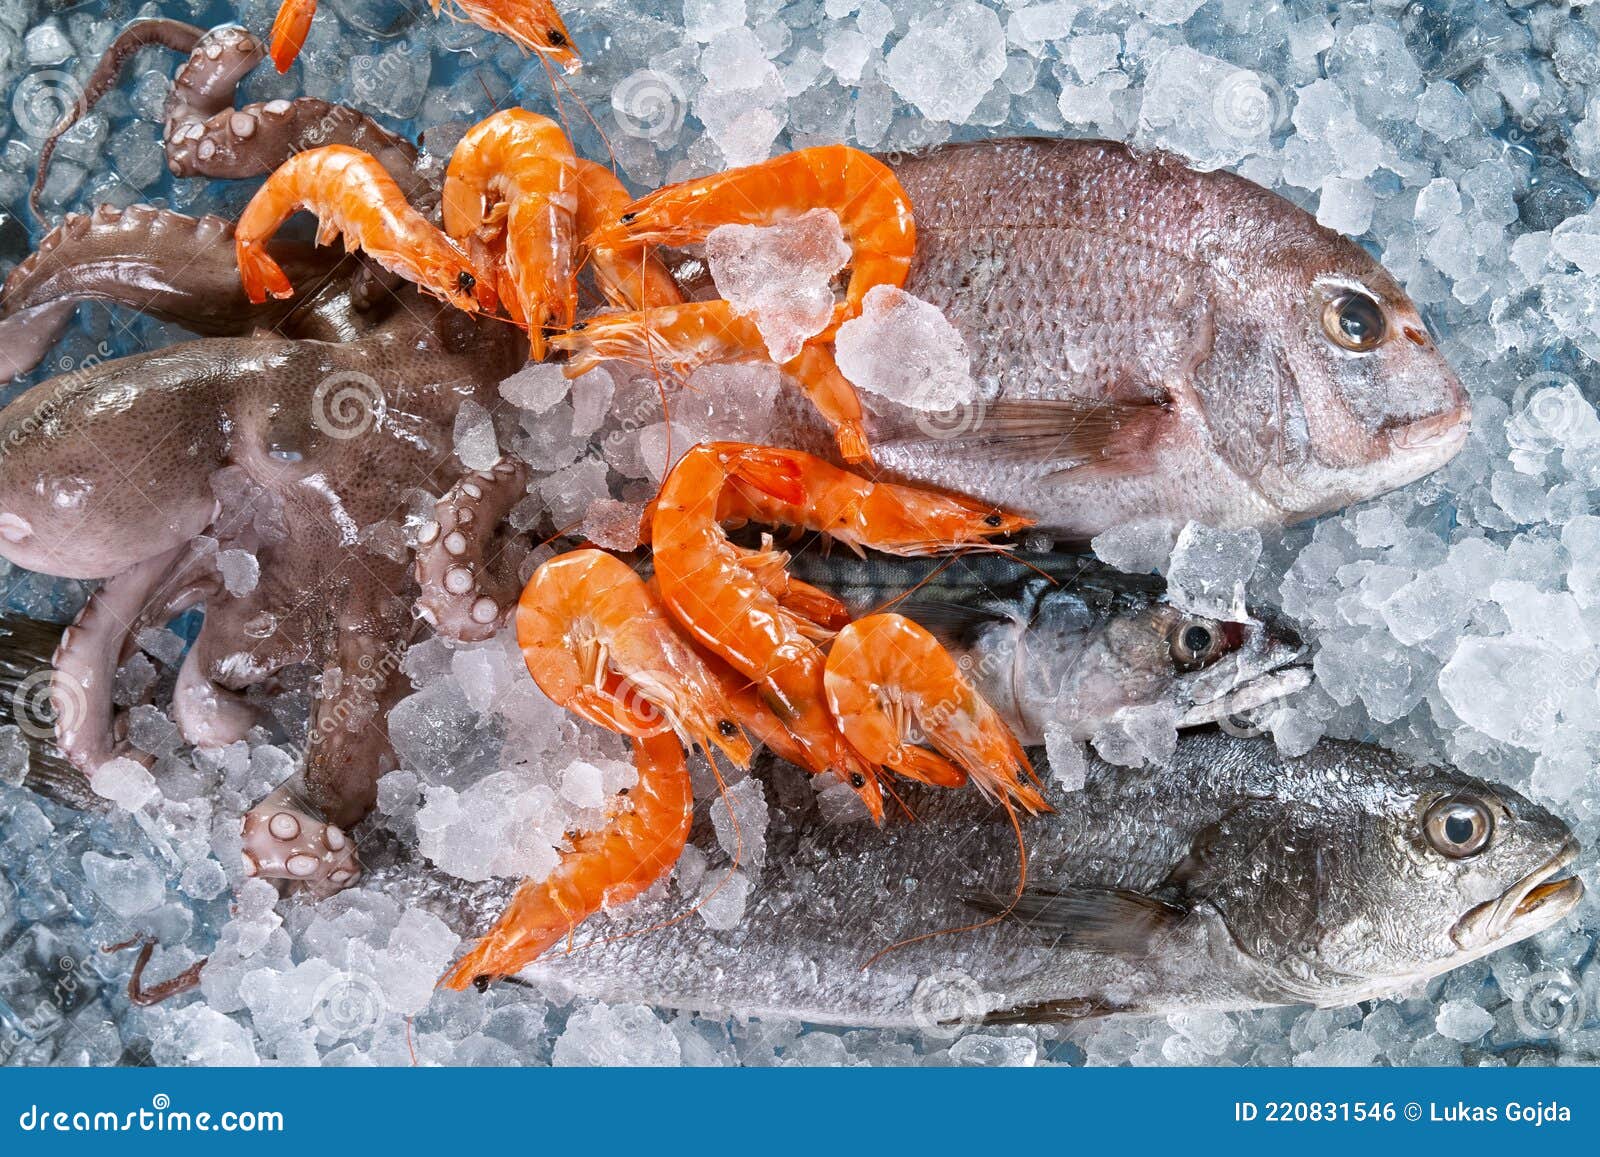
[
  {"x": 1054, "y": 1011},
  {"x": 1089, "y": 919},
  {"x": 1086, "y": 434}
]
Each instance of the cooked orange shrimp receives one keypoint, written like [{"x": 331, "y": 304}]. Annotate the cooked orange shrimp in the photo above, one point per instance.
[
  {"x": 872, "y": 208},
  {"x": 350, "y": 193},
  {"x": 289, "y": 31},
  {"x": 516, "y": 171},
  {"x": 597, "y": 641},
  {"x": 730, "y": 611},
  {"x": 638, "y": 845},
  {"x": 681, "y": 338},
  {"x": 630, "y": 276},
  {"x": 886, "y": 675},
  {"x": 858, "y": 512},
  {"x": 533, "y": 25}
]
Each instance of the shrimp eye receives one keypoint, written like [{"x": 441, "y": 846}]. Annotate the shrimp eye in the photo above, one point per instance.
[
  {"x": 1194, "y": 643},
  {"x": 1355, "y": 322},
  {"x": 627, "y": 218},
  {"x": 556, "y": 38},
  {"x": 857, "y": 780},
  {"x": 993, "y": 520},
  {"x": 726, "y": 726},
  {"x": 465, "y": 281},
  {"x": 1458, "y": 826}
]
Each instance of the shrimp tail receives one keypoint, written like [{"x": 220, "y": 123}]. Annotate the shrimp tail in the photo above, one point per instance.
[
  {"x": 289, "y": 31},
  {"x": 928, "y": 767},
  {"x": 636, "y": 848},
  {"x": 260, "y": 274}
]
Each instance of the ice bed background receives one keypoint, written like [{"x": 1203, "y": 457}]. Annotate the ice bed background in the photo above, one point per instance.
[{"x": 1456, "y": 620}]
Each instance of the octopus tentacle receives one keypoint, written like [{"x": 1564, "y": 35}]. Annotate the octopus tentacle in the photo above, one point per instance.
[
  {"x": 347, "y": 748},
  {"x": 173, "y": 34},
  {"x": 283, "y": 840},
  {"x": 207, "y": 713},
  {"x": 166, "y": 264},
  {"x": 466, "y": 565},
  {"x": 86, "y": 661}
]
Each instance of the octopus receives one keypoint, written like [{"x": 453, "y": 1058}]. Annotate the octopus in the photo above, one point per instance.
[{"x": 292, "y": 430}]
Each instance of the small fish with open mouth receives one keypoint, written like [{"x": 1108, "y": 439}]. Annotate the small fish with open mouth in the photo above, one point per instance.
[
  {"x": 1234, "y": 878},
  {"x": 1065, "y": 639}
]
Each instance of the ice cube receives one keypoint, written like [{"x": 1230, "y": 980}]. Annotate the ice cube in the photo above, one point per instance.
[
  {"x": 126, "y": 782},
  {"x": 904, "y": 349},
  {"x": 1137, "y": 547},
  {"x": 745, "y": 802},
  {"x": 1463, "y": 1020},
  {"x": 536, "y": 387},
  {"x": 570, "y": 492},
  {"x": 722, "y": 899},
  {"x": 780, "y": 275},
  {"x": 1210, "y": 568},
  {"x": 475, "y": 442},
  {"x": 1068, "y": 767},
  {"x": 13, "y": 755},
  {"x": 129, "y": 885},
  {"x": 581, "y": 786},
  {"x": 613, "y": 525},
  {"x": 948, "y": 60},
  {"x": 990, "y": 1050},
  {"x": 703, "y": 19},
  {"x": 621, "y": 1034}
]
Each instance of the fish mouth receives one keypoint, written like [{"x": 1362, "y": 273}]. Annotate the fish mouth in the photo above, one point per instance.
[
  {"x": 1275, "y": 664},
  {"x": 1256, "y": 692},
  {"x": 1530, "y": 905},
  {"x": 1444, "y": 433}
]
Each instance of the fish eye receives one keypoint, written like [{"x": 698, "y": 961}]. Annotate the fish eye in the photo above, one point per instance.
[
  {"x": 1355, "y": 322},
  {"x": 1458, "y": 826},
  {"x": 1194, "y": 642}
]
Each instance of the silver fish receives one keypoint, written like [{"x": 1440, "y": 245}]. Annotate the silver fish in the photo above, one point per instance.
[
  {"x": 1154, "y": 342},
  {"x": 1066, "y": 639},
  {"x": 1232, "y": 879}
]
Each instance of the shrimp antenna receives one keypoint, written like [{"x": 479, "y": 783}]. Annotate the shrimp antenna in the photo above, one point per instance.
[
  {"x": 1016, "y": 896},
  {"x": 950, "y": 560},
  {"x": 589, "y": 116}
]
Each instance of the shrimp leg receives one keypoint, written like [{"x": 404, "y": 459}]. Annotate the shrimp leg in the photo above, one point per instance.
[
  {"x": 681, "y": 338},
  {"x": 639, "y": 844},
  {"x": 885, "y": 675}
]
